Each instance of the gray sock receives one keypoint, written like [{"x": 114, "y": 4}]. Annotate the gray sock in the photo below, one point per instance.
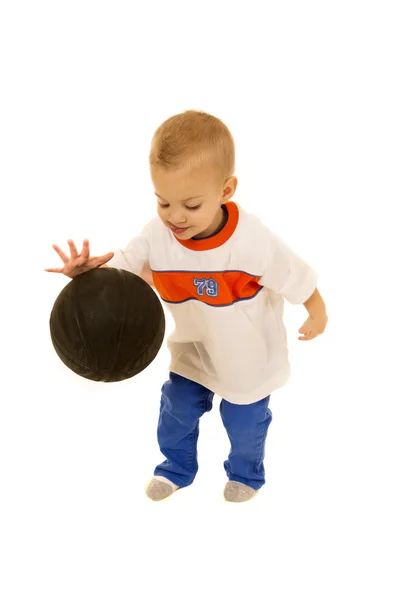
[
  {"x": 160, "y": 488},
  {"x": 238, "y": 492}
]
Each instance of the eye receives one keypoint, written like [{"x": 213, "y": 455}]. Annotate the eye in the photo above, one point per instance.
[{"x": 188, "y": 207}]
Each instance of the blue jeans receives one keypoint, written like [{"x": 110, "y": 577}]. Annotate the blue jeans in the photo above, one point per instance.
[{"x": 183, "y": 402}]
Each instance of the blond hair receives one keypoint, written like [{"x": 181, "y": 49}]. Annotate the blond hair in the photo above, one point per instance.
[{"x": 193, "y": 139}]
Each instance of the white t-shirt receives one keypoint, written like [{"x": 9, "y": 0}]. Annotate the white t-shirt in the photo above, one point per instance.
[{"x": 226, "y": 295}]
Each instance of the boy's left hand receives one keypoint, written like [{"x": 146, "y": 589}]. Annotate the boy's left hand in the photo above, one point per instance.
[{"x": 312, "y": 327}]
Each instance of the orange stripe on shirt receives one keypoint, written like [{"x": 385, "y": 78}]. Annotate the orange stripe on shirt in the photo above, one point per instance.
[{"x": 216, "y": 288}]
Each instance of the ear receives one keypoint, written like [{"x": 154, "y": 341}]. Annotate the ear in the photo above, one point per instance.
[{"x": 230, "y": 186}]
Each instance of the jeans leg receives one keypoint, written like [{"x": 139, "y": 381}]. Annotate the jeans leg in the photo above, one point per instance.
[
  {"x": 183, "y": 402},
  {"x": 247, "y": 427}
]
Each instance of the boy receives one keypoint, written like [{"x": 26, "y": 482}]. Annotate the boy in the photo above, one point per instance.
[{"x": 224, "y": 276}]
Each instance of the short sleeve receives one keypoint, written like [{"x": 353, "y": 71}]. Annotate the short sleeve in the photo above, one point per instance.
[
  {"x": 135, "y": 255},
  {"x": 285, "y": 272}
]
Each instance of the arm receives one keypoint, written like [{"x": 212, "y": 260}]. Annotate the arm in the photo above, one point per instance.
[
  {"x": 316, "y": 322},
  {"x": 287, "y": 274},
  {"x": 315, "y": 305}
]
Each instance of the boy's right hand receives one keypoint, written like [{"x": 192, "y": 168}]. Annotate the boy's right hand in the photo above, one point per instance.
[{"x": 79, "y": 263}]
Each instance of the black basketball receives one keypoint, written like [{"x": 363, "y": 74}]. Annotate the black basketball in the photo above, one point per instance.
[{"x": 107, "y": 325}]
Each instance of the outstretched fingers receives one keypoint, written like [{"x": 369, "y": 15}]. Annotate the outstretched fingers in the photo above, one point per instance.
[
  {"x": 61, "y": 254},
  {"x": 106, "y": 257},
  {"x": 85, "y": 249},
  {"x": 72, "y": 247}
]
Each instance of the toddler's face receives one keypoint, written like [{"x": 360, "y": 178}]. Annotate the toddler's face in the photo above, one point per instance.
[{"x": 191, "y": 200}]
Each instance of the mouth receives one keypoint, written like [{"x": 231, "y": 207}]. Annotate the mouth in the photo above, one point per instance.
[{"x": 177, "y": 230}]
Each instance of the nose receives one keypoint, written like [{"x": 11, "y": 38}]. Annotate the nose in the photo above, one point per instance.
[{"x": 177, "y": 219}]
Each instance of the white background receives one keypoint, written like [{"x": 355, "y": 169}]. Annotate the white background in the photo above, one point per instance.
[{"x": 310, "y": 91}]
